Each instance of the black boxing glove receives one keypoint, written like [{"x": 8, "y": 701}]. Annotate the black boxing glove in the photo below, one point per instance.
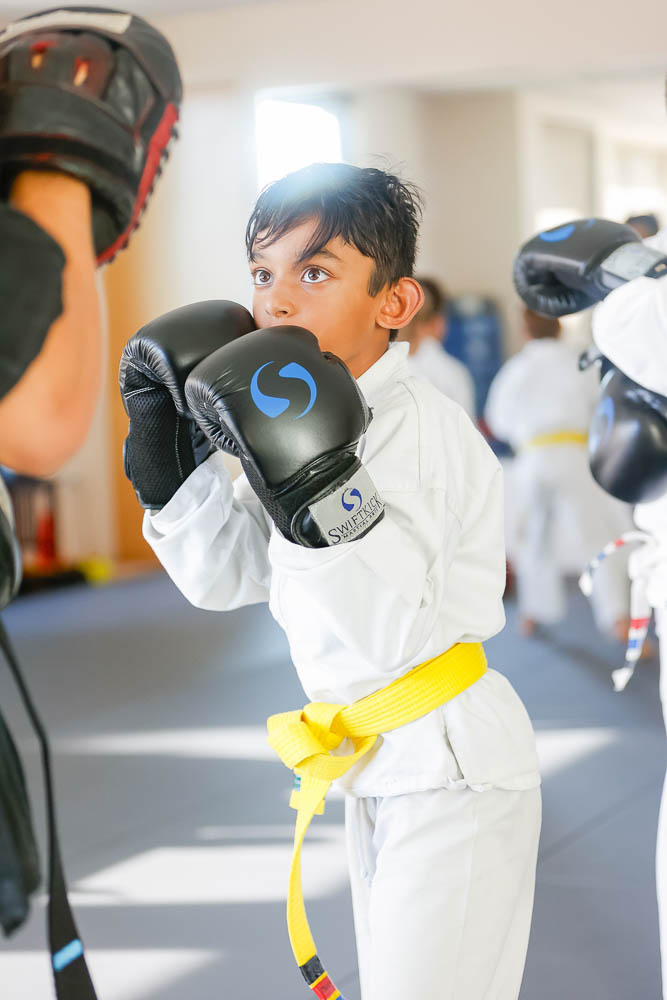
[
  {"x": 571, "y": 267},
  {"x": 295, "y": 416},
  {"x": 164, "y": 444},
  {"x": 627, "y": 439}
]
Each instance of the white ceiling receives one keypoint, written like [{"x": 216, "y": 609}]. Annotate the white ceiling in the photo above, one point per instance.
[{"x": 13, "y": 9}]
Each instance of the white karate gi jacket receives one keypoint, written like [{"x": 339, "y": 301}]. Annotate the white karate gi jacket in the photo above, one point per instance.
[
  {"x": 538, "y": 391},
  {"x": 445, "y": 372},
  {"x": 360, "y": 614},
  {"x": 630, "y": 328}
]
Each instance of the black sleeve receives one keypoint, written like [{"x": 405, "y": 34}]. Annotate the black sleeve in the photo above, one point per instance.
[{"x": 31, "y": 265}]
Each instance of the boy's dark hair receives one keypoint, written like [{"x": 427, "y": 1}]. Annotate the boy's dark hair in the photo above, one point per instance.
[
  {"x": 372, "y": 210},
  {"x": 540, "y": 327}
]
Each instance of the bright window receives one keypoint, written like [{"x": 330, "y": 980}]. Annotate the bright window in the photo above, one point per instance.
[{"x": 290, "y": 136}]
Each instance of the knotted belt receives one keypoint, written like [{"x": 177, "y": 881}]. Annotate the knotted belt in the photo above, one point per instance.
[
  {"x": 304, "y": 739},
  {"x": 556, "y": 437}
]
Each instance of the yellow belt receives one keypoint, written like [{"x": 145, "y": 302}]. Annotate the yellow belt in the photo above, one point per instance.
[
  {"x": 556, "y": 437},
  {"x": 303, "y": 740}
]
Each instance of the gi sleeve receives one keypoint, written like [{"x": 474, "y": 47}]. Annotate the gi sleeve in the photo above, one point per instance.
[
  {"x": 212, "y": 539},
  {"x": 630, "y": 328}
]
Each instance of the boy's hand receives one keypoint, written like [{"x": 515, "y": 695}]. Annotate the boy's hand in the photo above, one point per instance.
[
  {"x": 571, "y": 267},
  {"x": 164, "y": 444},
  {"x": 93, "y": 93},
  {"x": 296, "y": 416}
]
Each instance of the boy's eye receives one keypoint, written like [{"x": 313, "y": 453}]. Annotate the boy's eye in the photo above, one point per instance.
[
  {"x": 314, "y": 275},
  {"x": 261, "y": 276}
]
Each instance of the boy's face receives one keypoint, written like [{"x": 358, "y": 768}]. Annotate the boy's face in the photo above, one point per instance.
[{"x": 327, "y": 294}]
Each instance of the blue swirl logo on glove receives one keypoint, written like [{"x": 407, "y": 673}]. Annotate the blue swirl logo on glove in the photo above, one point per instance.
[
  {"x": 601, "y": 424},
  {"x": 563, "y": 232},
  {"x": 355, "y": 504},
  {"x": 557, "y": 235},
  {"x": 273, "y": 406}
]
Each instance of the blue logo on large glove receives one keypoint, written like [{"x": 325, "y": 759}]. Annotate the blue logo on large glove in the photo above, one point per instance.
[
  {"x": 355, "y": 504},
  {"x": 563, "y": 232},
  {"x": 602, "y": 423},
  {"x": 273, "y": 406},
  {"x": 557, "y": 235}
]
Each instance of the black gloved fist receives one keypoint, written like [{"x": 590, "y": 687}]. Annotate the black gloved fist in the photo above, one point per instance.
[
  {"x": 571, "y": 267},
  {"x": 627, "y": 439},
  {"x": 295, "y": 416},
  {"x": 164, "y": 444}
]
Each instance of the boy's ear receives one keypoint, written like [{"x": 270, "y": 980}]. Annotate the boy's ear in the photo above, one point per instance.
[{"x": 400, "y": 302}]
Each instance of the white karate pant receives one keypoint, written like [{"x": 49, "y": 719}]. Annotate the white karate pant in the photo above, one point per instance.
[
  {"x": 442, "y": 891},
  {"x": 561, "y": 520}
]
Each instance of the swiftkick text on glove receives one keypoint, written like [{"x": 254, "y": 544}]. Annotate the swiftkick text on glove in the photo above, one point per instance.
[{"x": 355, "y": 524}]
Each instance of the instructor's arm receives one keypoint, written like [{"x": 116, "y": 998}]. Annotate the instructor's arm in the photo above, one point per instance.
[{"x": 45, "y": 417}]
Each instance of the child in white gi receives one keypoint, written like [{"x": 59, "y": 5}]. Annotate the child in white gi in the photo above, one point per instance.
[
  {"x": 630, "y": 328},
  {"x": 443, "y": 815},
  {"x": 542, "y": 405},
  {"x": 425, "y": 335}
]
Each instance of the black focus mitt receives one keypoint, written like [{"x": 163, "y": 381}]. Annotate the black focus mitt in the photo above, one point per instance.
[{"x": 94, "y": 93}]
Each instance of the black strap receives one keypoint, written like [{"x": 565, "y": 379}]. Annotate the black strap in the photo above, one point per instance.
[{"x": 70, "y": 972}]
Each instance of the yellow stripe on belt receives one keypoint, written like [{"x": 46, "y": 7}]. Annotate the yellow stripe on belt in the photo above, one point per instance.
[
  {"x": 304, "y": 739},
  {"x": 556, "y": 437}
]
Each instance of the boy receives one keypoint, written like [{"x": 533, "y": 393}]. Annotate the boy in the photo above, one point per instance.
[
  {"x": 542, "y": 405},
  {"x": 425, "y": 335},
  {"x": 443, "y": 814}
]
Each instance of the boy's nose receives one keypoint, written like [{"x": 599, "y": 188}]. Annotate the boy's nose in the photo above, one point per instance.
[{"x": 279, "y": 305}]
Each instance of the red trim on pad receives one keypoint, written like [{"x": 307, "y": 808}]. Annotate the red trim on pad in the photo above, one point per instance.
[{"x": 156, "y": 147}]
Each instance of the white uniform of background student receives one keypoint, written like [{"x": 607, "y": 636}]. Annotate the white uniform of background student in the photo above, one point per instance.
[
  {"x": 446, "y": 810},
  {"x": 428, "y": 357},
  {"x": 630, "y": 328},
  {"x": 553, "y": 495}
]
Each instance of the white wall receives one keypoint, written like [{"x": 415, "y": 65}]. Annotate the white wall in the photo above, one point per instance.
[
  {"x": 472, "y": 227},
  {"x": 582, "y": 135},
  {"x": 384, "y": 127},
  {"x": 564, "y": 186},
  {"x": 636, "y": 181},
  {"x": 194, "y": 249}
]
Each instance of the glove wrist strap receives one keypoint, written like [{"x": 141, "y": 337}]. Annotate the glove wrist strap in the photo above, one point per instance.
[{"x": 344, "y": 511}]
